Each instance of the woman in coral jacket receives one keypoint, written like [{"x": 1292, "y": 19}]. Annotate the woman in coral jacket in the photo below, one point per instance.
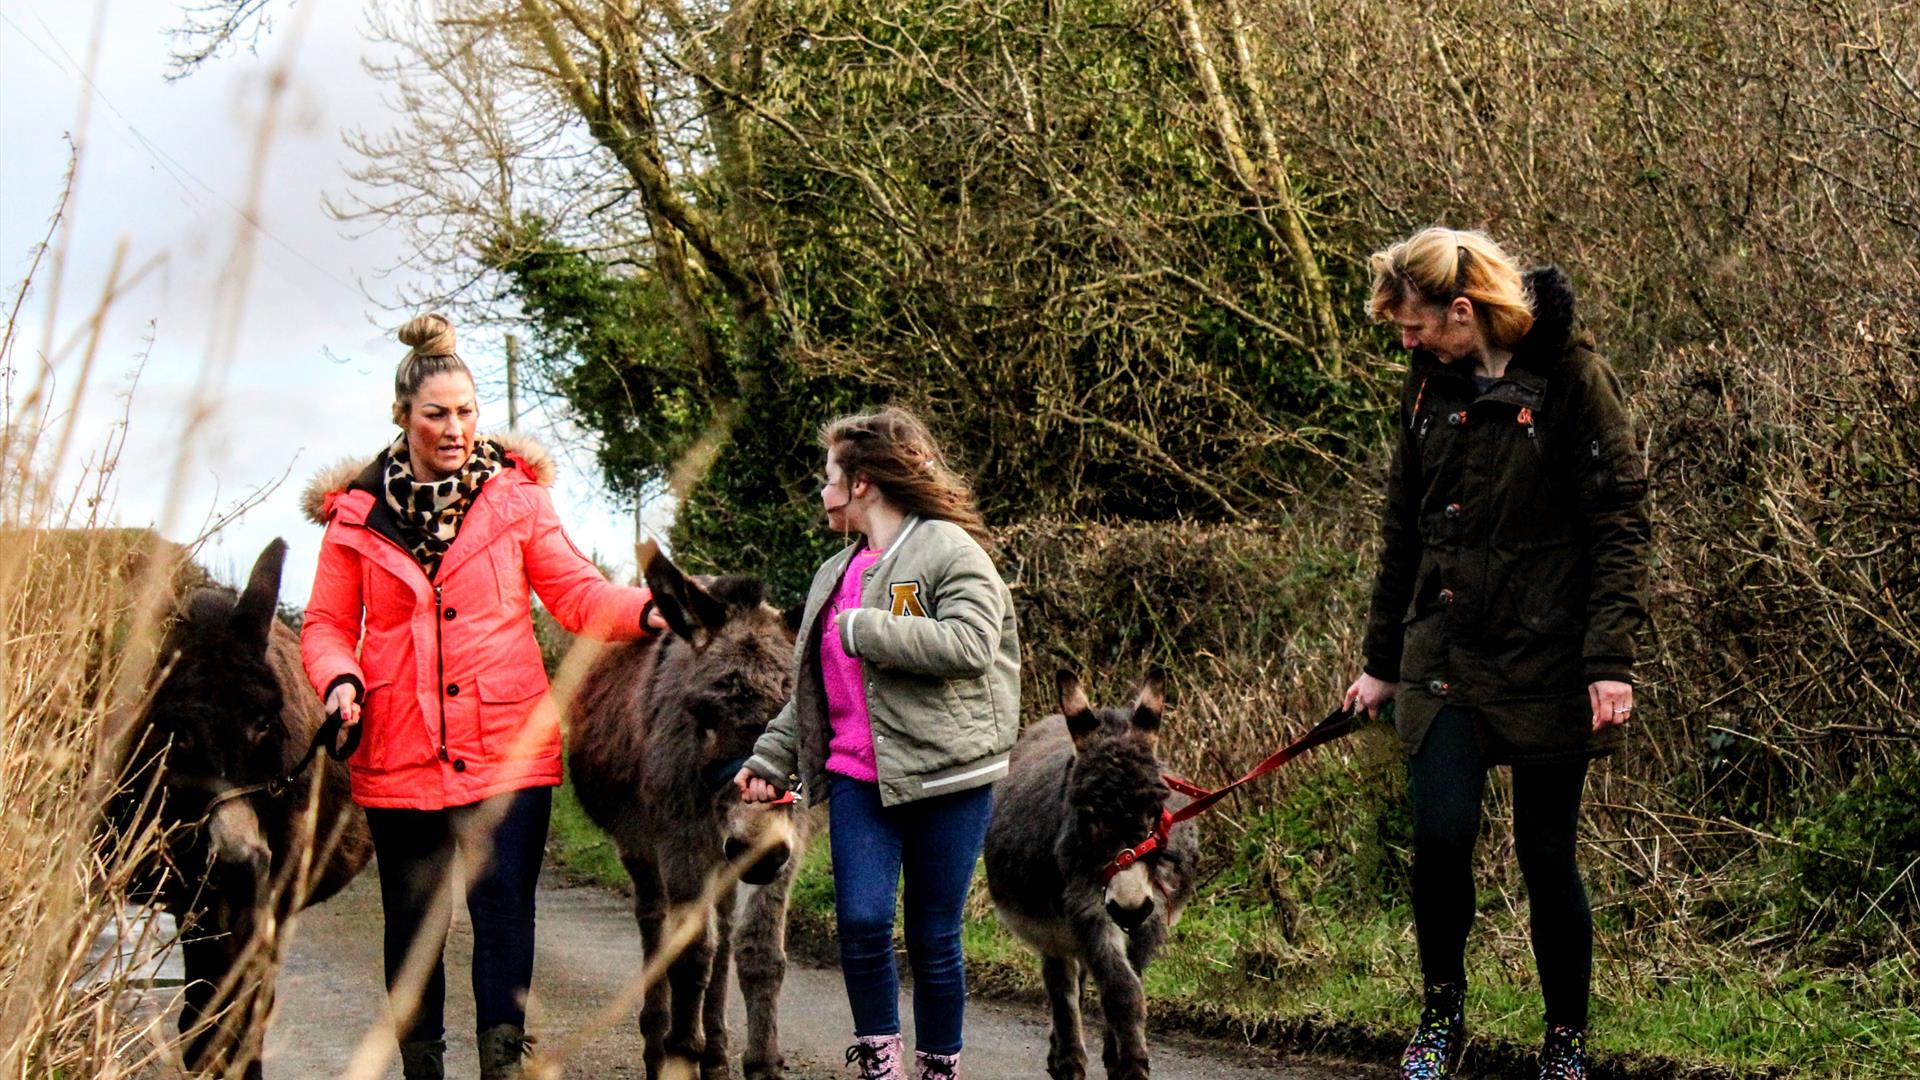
[{"x": 419, "y": 628}]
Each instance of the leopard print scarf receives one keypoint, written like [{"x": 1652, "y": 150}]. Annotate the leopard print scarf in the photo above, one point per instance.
[{"x": 430, "y": 514}]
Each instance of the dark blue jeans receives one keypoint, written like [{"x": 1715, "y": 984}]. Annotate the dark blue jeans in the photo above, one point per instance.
[
  {"x": 415, "y": 851},
  {"x": 936, "y": 842},
  {"x": 1449, "y": 776}
]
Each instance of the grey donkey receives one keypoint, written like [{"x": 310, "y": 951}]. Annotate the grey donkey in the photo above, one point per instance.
[
  {"x": 659, "y": 728},
  {"x": 1085, "y": 786}
]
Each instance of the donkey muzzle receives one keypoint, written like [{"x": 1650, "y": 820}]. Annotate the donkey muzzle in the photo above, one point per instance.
[
  {"x": 762, "y": 870},
  {"x": 762, "y": 833},
  {"x": 234, "y": 835},
  {"x": 1129, "y": 918},
  {"x": 1130, "y": 896}
]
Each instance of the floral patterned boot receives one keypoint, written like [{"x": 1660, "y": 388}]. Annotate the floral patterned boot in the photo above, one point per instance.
[
  {"x": 1563, "y": 1055},
  {"x": 1436, "y": 1046}
]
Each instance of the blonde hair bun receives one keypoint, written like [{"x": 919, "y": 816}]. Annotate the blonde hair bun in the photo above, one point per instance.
[{"x": 429, "y": 335}]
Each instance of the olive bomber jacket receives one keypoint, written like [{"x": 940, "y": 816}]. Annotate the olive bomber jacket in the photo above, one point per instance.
[{"x": 940, "y": 655}]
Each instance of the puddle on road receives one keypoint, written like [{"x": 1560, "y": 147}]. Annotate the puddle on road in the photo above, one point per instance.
[{"x": 137, "y": 946}]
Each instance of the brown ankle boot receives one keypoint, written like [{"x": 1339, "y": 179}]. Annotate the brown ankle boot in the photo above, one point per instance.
[
  {"x": 424, "y": 1059},
  {"x": 501, "y": 1049}
]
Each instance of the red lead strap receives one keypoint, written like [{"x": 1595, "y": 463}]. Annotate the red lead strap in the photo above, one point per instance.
[{"x": 1337, "y": 723}]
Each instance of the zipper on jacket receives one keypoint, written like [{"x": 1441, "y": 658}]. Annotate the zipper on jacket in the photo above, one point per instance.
[{"x": 440, "y": 669}]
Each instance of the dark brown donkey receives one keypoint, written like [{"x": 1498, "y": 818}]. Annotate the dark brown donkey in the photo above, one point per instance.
[
  {"x": 659, "y": 728},
  {"x": 1084, "y": 786},
  {"x": 230, "y": 716}
]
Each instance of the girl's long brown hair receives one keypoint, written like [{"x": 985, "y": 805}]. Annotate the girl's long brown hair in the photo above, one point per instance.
[{"x": 896, "y": 453}]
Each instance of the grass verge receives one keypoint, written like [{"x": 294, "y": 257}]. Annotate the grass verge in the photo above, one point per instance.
[{"x": 1231, "y": 972}]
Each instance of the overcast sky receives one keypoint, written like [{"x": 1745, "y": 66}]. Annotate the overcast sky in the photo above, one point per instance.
[{"x": 164, "y": 169}]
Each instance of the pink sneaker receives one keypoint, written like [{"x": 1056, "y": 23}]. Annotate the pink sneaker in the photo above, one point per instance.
[
  {"x": 878, "y": 1057},
  {"x": 936, "y": 1066}
]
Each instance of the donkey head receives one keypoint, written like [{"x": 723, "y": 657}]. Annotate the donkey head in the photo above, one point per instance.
[
  {"x": 726, "y": 684},
  {"x": 1115, "y": 794},
  {"x": 216, "y": 714}
]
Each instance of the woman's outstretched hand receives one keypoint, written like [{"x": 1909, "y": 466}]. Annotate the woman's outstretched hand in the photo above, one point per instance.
[
  {"x": 753, "y": 788},
  {"x": 1369, "y": 693}
]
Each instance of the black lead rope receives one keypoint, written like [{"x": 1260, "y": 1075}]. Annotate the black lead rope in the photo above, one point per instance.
[{"x": 326, "y": 737}]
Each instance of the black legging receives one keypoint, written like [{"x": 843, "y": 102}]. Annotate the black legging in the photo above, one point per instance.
[
  {"x": 1449, "y": 776},
  {"x": 415, "y": 851}
]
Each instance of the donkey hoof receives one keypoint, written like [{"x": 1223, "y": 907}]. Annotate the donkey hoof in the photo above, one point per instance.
[{"x": 679, "y": 1068}]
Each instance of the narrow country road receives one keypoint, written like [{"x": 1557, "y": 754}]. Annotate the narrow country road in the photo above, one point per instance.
[{"x": 330, "y": 993}]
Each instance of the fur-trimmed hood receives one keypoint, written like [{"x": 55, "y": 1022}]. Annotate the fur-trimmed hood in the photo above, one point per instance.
[
  {"x": 1552, "y": 336},
  {"x": 1552, "y": 329},
  {"x": 348, "y": 473}
]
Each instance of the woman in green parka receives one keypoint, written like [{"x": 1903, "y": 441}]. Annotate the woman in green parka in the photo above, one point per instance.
[{"x": 1509, "y": 595}]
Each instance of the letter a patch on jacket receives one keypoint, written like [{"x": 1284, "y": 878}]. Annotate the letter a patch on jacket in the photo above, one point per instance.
[{"x": 906, "y": 598}]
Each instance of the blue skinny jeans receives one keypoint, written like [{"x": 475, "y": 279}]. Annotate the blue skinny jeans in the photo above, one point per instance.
[{"x": 936, "y": 842}]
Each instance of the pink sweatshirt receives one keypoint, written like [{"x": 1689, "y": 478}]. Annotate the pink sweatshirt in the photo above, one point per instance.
[{"x": 850, "y": 750}]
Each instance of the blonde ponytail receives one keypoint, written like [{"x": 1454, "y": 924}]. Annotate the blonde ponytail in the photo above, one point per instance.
[{"x": 1438, "y": 265}]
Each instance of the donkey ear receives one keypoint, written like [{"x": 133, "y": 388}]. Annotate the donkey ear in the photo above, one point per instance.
[
  {"x": 793, "y": 616},
  {"x": 690, "y": 611},
  {"x": 1151, "y": 703},
  {"x": 1074, "y": 706},
  {"x": 252, "y": 617}
]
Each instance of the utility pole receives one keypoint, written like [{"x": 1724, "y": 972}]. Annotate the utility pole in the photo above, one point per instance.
[{"x": 513, "y": 383}]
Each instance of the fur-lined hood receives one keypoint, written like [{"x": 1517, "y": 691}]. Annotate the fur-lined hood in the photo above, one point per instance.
[
  {"x": 1551, "y": 337},
  {"x": 533, "y": 459}
]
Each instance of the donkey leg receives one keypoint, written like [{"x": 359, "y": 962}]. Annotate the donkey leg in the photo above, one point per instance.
[
  {"x": 1122, "y": 1001},
  {"x": 217, "y": 1008},
  {"x": 649, "y": 909},
  {"x": 687, "y": 976},
  {"x": 713, "y": 1061},
  {"x": 206, "y": 963},
  {"x": 760, "y": 951},
  {"x": 1066, "y": 1050}
]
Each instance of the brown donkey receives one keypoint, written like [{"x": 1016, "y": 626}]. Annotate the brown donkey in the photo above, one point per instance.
[
  {"x": 659, "y": 727},
  {"x": 226, "y": 722}
]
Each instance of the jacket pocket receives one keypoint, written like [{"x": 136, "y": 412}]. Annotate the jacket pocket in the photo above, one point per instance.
[
  {"x": 387, "y": 597},
  {"x": 515, "y": 719},
  {"x": 1541, "y": 634},
  {"x": 1547, "y": 595},
  {"x": 384, "y": 735},
  {"x": 973, "y": 705}
]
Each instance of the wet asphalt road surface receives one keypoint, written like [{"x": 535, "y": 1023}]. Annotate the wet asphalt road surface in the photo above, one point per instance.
[{"x": 331, "y": 996}]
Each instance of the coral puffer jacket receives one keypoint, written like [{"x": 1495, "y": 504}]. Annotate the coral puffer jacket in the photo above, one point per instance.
[{"x": 454, "y": 700}]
